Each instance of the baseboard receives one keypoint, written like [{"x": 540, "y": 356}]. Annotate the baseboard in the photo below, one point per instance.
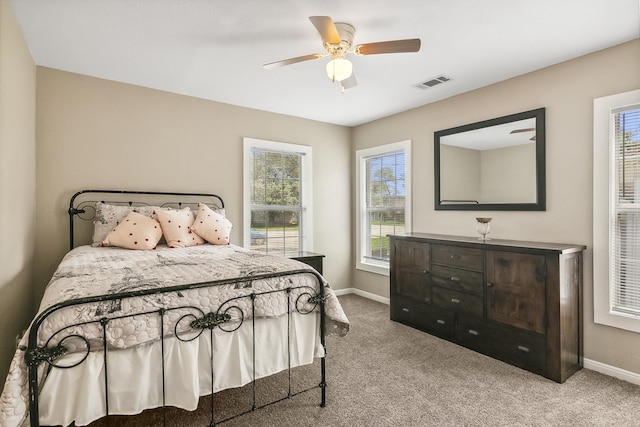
[
  {"x": 345, "y": 291},
  {"x": 362, "y": 293},
  {"x": 612, "y": 371}
]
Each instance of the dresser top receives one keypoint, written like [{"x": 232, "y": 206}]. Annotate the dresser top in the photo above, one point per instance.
[{"x": 490, "y": 243}]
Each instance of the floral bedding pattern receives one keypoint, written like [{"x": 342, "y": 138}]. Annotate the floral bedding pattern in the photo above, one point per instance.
[{"x": 90, "y": 272}]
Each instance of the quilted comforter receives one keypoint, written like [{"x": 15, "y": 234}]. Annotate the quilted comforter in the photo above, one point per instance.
[{"x": 90, "y": 272}]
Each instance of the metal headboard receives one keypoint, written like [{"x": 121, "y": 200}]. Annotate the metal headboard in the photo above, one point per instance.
[{"x": 83, "y": 203}]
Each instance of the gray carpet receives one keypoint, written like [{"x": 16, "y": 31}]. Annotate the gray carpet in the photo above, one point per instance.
[{"x": 384, "y": 373}]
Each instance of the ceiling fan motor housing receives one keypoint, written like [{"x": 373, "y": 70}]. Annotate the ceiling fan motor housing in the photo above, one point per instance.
[{"x": 346, "y": 32}]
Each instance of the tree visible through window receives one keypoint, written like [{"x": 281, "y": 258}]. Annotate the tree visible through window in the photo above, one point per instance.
[
  {"x": 384, "y": 198},
  {"x": 276, "y": 196},
  {"x": 385, "y": 202}
]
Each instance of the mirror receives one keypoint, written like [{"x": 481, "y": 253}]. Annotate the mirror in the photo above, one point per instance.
[{"x": 496, "y": 164}]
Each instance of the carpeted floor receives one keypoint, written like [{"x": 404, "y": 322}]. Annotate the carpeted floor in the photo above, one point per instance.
[{"x": 387, "y": 374}]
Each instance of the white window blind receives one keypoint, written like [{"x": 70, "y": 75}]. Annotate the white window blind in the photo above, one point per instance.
[{"x": 624, "y": 231}]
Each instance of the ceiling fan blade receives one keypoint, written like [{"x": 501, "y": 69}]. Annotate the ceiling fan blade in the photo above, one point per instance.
[
  {"x": 349, "y": 82},
  {"x": 393, "y": 46},
  {"x": 522, "y": 130},
  {"x": 326, "y": 28},
  {"x": 290, "y": 61}
]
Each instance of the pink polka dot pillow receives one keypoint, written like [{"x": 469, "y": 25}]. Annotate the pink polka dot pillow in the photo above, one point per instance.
[
  {"x": 108, "y": 216},
  {"x": 135, "y": 231},
  {"x": 211, "y": 226},
  {"x": 176, "y": 227}
]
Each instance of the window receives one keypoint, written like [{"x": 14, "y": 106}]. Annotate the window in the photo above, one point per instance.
[
  {"x": 384, "y": 202},
  {"x": 277, "y": 196},
  {"x": 616, "y": 210}
]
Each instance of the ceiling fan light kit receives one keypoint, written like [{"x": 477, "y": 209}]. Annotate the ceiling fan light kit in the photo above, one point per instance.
[
  {"x": 337, "y": 39},
  {"x": 339, "y": 69}
]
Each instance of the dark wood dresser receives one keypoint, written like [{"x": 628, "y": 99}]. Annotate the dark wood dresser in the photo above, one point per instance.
[{"x": 520, "y": 302}]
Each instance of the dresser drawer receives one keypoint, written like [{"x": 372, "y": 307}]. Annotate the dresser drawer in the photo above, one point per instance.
[
  {"x": 427, "y": 318},
  {"x": 525, "y": 350},
  {"x": 455, "y": 278},
  {"x": 457, "y": 300},
  {"x": 455, "y": 256}
]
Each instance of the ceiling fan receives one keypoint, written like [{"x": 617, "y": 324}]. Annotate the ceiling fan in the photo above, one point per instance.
[
  {"x": 533, "y": 138},
  {"x": 337, "y": 40}
]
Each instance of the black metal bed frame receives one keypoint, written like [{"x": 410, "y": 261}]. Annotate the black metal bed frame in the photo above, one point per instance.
[{"x": 228, "y": 317}]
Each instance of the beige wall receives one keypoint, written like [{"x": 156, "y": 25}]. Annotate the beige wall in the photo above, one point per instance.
[
  {"x": 17, "y": 183},
  {"x": 567, "y": 91},
  {"x": 460, "y": 172},
  {"x": 95, "y": 133},
  {"x": 509, "y": 174}
]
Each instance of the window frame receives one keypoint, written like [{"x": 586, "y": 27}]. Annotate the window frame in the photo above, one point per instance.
[
  {"x": 362, "y": 155},
  {"x": 603, "y": 180},
  {"x": 306, "y": 187}
]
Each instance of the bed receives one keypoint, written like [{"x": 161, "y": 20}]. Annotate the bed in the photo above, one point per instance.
[{"x": 121, "y": 330}]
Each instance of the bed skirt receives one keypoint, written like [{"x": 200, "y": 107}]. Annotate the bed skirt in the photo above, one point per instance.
[{"x": 187, "y": 366}]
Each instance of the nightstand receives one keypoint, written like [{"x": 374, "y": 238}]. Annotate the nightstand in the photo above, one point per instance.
[{"x": 310, "y": 258}]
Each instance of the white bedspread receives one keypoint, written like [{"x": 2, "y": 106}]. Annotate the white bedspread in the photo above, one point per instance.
[{"x": 88, "y": 271}]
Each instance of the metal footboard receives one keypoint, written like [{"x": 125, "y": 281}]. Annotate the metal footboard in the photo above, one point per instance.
[{"x": 228, "y": 317}]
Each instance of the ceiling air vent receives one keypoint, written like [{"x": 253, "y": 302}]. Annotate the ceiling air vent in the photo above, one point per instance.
[{"x": 433, "y": 82}]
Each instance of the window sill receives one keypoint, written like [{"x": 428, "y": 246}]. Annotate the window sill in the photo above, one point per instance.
[
  {"x": 373, "y": 268},
  {"x": 615, "y": 320}
]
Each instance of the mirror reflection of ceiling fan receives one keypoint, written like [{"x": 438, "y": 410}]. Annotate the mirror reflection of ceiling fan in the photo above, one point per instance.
[
  {"x": 337, "y": 40},
  {"x": 533, "y": 138}
]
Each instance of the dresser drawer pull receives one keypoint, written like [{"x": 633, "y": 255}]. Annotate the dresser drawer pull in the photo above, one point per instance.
[
  {"x": 455, "y": 300},
  {"x": 406, "y": 310},
  {"x": 473, "y": 332},
  {"x": 455, "y": 279},
  {"x": 425, "y": 272},
  {"x": 489, "y": 285},
  {"x": 455, "y": 257},
  {"x": 523, "y": 349},
  {"x": 440, "y": 321}
]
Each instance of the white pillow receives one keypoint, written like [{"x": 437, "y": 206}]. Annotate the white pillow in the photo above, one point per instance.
[
  {"x": 211, "y": 226},
  {"x": 176, "y": 227},
  {"x": 135, "y": 231}
]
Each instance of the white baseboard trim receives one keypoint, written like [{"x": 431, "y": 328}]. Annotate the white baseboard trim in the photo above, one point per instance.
[
  {"x": 612, "y": 371},
  {"x": 362, "y": 293}
]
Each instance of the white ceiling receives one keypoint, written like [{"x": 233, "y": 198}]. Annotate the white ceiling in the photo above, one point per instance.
[{"x": 214, "y": 49}]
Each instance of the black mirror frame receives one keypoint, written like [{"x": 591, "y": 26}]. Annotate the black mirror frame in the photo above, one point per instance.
[{"x": 539, "y": 205}]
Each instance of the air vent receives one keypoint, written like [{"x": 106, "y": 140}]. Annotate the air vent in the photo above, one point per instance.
[{"x": 433, "y": 82}]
